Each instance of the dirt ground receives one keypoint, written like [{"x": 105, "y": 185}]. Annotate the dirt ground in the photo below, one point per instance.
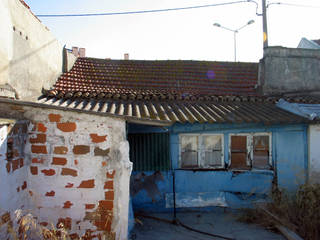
[{"x": 222, "y": 223}]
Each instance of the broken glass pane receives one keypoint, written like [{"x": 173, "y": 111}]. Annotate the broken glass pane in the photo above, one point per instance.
[
  {"x": 261, "y": 152},
  {"x": 212, "y": 142},
  {"x": 189, "y": 159},
  {"x": 212, "y": 159},
  {"x": 189, "y": 143},
  {"x": 189, "y": 151}
]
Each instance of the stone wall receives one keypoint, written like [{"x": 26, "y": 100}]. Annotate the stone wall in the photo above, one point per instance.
[{"x": 77, "y": 171}]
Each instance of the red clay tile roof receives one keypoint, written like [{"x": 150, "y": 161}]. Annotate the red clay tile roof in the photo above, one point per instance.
[
  {"x": 90, "y": 76},
  {"x": 165, "y": 92}
]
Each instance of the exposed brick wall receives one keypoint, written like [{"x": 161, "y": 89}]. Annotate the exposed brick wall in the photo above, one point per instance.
[{"x": 72, "y": 171}]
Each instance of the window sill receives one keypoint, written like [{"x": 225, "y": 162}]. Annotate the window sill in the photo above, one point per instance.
[{"x": 268, "y": 171}]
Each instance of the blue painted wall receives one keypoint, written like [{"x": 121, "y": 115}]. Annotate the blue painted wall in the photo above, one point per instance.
[{"x": 228, "y": 188}]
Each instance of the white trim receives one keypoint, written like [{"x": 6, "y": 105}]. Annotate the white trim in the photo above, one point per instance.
[
  {"x": 200, "y": 148},
  {"x": 250, "y": 146}
]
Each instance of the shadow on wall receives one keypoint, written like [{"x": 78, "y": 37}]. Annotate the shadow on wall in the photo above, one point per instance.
[{"x": 13, "y": 62}]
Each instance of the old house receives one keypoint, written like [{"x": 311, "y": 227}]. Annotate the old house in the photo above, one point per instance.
[
  {"x": 197, "y": 133},
  {"x": 200, "y": 133},
  {"x": 60, "y": 165}
]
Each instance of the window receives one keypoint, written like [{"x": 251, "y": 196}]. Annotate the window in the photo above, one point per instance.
[
  {"x": 201, "y": 151},
  {"x": 250, "y": 151},
  {"x": 149, "y": 151}
]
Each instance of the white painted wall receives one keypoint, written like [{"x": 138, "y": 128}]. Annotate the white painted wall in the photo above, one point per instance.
[
  {"x": 30, "y": 56},
  {"x": 314, "y": 153}
]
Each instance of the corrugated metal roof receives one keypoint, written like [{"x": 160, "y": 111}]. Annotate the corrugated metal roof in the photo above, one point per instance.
[
  {"x": 167, "y": 92},
  {"x": 183, "y": 111}
]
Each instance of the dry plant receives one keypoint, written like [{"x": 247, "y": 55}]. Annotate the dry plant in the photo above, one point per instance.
[{"x": 299, "y": 212}]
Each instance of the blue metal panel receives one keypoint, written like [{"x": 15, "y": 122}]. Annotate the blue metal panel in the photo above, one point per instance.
[{"x": 239, "y": 189}]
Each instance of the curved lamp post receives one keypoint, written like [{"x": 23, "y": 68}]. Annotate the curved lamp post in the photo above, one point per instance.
[{"x": 234, "y": 35}]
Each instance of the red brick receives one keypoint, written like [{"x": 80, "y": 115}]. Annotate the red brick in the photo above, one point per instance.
[
  {"x": 65, "y": 221},
  {"x": 41, "y": 127},
  {"x": 60, "y": 150},
  {"x": 95, "y": 138},
  {"x": 16, "y": 153},
  {"x": 18, "y": 189},
  {"x": 87, "y": 184},
  {"x": 8, "y": 166},
  {"x": 103, "y": 225},
  {"x": 100, "y": 152},
  {"x": 59, "y": 161},
  {"x": 48, "y": 172},
  {"x": 39, "y": 149},
  {"x": 24, "y": 186},
  {"x": 90, "y": 206},
  {"x": 67, "y": 126},
  {"x": 50, "y": 194},
  {"x": 15, "y": 164},
  {"x": 76, "y": 162},
  {"x": 69, "y": 172},
  {"x": 74, "y": 236},
  {"x": 106, "y": 205},
  {"x": 41, "y": 138},
  {"x": 37, "y": 160},
  {"x": 81, "y": 149},
  {"x": 104, "y": 163},
  {"x": 34, "y": 170},
  {"x": 109, "y": 195},
  {"x": 21, "y": 162},
  {"x": 54, "y": 117},
  {"x": 67, "y": 204},
  {"x": 108, "y": 185},
  {"x": 44, "y": 224},
  {"x": 111, "y": 174},
  {"x": 69, "y": 185}
]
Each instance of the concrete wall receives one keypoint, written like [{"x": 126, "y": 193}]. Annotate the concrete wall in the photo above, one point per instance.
[
  {"x": 314, "y": 153},
  {"x": 30, "y": 56},
  {"x": 226, "y": 187},
  {"x": 77, "y": 171},
  {"x": 287, "y": 70}
]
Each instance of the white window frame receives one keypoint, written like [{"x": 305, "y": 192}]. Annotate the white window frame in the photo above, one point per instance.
[
  {"x": 250, "y": 147},
  {"x": 201, "y": 149}
]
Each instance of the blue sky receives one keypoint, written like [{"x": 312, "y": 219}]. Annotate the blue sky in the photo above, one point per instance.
[{"x": 187, "y": 34}]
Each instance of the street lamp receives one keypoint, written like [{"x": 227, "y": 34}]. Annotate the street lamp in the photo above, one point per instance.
[{"x": 234, "y": 35}]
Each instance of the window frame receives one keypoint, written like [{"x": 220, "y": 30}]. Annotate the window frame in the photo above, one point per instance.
[
  {"x": 250, "y": 150},
  {"x": 201, "y": 150}
]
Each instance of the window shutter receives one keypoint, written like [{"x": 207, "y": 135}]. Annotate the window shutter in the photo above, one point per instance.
[{"x": 239, "y": 152}]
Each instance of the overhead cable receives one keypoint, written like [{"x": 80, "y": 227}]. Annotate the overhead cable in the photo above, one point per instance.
[{"x": 142, "y": 11}]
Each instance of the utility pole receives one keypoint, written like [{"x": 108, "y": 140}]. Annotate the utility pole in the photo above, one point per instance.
[{"x": 264, "y": 22}]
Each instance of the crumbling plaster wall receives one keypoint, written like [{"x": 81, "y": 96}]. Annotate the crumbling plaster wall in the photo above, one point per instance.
[
  {"x": 30, "y": 57},
  {"x": 288, "y": 70},
  {"x": 78, "y": 171},
  {"x": 314, "y": 153},
  {"x": 13, "y": 172}
]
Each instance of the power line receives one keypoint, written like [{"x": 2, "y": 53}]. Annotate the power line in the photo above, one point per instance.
[
  {"x": 141, "y": 12},
  {"x": 292, "y": 5}
]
